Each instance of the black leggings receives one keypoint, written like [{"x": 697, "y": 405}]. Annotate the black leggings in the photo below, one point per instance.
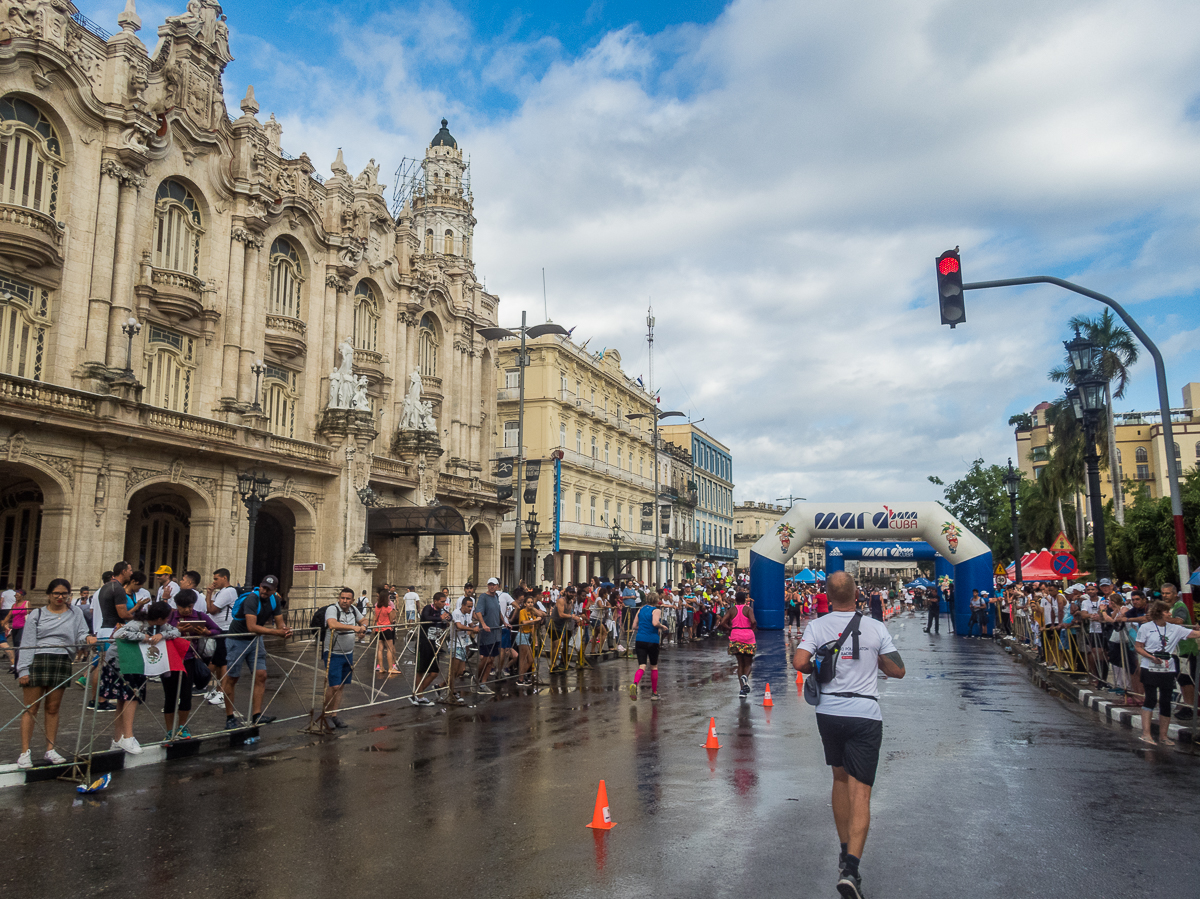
[
  {"x": 1159, "y": 686},
  {"x": 172, "y": 687}
]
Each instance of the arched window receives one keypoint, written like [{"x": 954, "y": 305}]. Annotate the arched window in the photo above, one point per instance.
[
  {"x": 170, "y": 364},
  {"x": 24, "y": 320},
  {"x": 427, "y": 347},
  {"x": 1198, "y": 449},
  {"x": 1177, "y": 456},
  {"x": 279, "y": 400},
  {"x": 429, "y": 241},
  {"x": 366, "y": 317},
  {"x": 177, "y": 229},
  {"x": 286, "y": 278},
  {"x": 592, "y": 519},
  {"x": 30, "y": 157},
  {"x": 448, "y": 243},
  {"x": 1140, "y": 455}
]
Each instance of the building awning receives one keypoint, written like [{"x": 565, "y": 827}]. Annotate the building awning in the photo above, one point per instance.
[{"x": 413, "y": 521}]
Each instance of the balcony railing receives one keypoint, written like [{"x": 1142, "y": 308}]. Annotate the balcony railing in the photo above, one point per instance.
[
  {"x": 192, "y": 425},
  {"x": 47, "y": 396}
]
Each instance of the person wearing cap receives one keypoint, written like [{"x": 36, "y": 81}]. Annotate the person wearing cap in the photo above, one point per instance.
[
  {"x": 167, "y": 588},
  {"x": 245, "y": 646},
  {"x": 489, "y": 618}
]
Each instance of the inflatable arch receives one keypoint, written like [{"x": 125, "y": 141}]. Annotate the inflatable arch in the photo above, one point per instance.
[{"x": 969, "y": 557}]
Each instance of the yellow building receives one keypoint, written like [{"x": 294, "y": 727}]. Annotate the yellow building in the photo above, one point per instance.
[
  {"x": 577, "y": 405},
  {"x": 1141, "y": 449},
  {"x": 752, "y": 520},
  {"x": 712, "y": 473}
]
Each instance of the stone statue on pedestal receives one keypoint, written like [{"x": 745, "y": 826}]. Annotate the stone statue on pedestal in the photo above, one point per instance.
[{"x": 416, "y": 415}]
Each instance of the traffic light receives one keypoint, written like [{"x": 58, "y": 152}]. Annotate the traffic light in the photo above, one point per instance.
[{"x": 950, "y": 289}]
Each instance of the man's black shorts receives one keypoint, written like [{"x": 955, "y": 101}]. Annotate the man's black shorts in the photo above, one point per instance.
[
  {"x": 647, "y": 653},
  {"x": 853, "y": 744},
  {"x": 427, "y": 659}
]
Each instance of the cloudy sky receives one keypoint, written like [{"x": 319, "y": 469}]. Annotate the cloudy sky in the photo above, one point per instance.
[{"x": 776, "y": 177}]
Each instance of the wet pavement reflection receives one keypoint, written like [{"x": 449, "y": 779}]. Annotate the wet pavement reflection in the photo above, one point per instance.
[{"x": 988, "y": 787}]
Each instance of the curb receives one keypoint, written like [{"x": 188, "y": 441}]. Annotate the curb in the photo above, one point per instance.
[{"x": 1104, "y": 705}]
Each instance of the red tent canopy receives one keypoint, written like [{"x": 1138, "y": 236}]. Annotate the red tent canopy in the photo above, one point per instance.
[{"x": 1035, "y": 566}]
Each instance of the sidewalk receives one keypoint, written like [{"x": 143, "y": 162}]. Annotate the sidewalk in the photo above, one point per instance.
[{"x": 1107, "y": 706}]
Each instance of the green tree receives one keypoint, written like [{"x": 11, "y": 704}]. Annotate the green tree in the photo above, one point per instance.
[
  {"x": 1022, "y": 421},
  {"x": 980, "y": 489},
  {"x": 1143, "y": 549}
]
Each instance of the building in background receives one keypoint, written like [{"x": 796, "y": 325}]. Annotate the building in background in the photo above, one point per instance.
[
  {"x": 677, "y": 501},
  {"x": 752, "y": 520},
  {"x": 183, "y": 304},
  {"x": 578, "y": 403},
  {"x": 712, "y": 473},
  {"x": 1141, "y": 449}
]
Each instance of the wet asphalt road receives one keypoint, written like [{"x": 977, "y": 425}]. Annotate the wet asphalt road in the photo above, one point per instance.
[{"x": 987, "y": 787}]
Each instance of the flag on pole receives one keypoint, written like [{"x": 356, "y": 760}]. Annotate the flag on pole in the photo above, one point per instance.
[{"x": 151, "y": 660}]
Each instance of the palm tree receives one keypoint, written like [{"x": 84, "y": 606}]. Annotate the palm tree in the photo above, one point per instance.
[{"x": 1118, "y": 352}]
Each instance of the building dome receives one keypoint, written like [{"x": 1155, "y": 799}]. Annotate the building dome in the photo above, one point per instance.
[{"x": 443, "y": 138}]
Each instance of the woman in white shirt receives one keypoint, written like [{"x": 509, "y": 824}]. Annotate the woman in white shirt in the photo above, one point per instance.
[{"x": 1157, "y": 640}]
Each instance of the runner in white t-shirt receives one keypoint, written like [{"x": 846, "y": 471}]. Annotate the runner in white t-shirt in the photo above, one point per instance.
[{"x": 848, "y": 716}]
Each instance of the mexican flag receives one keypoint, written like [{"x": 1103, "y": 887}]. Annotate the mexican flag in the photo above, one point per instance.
[{"x": 142, "y": 658}]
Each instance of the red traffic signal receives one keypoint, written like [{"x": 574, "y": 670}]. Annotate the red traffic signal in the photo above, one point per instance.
[{"x": 950, "y": 290}]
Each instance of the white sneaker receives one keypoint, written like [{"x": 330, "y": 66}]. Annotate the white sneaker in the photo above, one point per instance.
[
  {"x": 25, "y": 759},
  {"x": 54, "y": 758},
  {"x": 215, "y": 697},
  {"x": 116, "y": 744},
  {"x": 130, "y": 745}
]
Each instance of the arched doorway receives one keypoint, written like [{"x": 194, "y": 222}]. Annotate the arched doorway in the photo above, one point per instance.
[
  {"x": 275, "y": 544},
  {"x": 482, "y": 550},
  {"x": 158, "y": 530},
  {"x": 20, "y": 530}
]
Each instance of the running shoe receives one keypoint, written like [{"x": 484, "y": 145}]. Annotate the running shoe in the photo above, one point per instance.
[
  {"x": 654, "y": 696},
  {"x": 338, "y": 722},
  {"x": 414, "y": 700},
  {"x": 54, "y": 758},
  {"x": 484, "y": 688},
  {"x": 183, "y": 734},
  {"x": 633, "y": 691},
  {"x": 130, "y": 745},
  {"x": 850, "y": 885},
  {"x": 25, "y": 759},
  {"x": 232, "y": 723},
  {"x": 260, "y": 718},
  {"x": 425, "y": 700},
  {"x": 215, "y": 697},
  {"x": 105, "y": 706}
]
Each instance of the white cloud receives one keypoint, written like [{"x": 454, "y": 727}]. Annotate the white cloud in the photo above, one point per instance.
[{"x": 778, "y": 184}]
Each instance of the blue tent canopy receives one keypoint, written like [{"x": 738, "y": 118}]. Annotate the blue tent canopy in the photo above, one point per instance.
[
  {"x": 920, "y": 582},
  {"x": 820, "y": 575},
  {"x": 1195, "y": 579},
  {"x": 805, "y": 577}
]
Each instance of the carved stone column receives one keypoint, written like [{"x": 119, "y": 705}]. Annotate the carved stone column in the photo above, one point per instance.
[
  {"x": 124, "y": 260},
  {"x": 231, "y": 354},
  {"x": 103, "y": 250},
  {"x": 253, "y": 315}
]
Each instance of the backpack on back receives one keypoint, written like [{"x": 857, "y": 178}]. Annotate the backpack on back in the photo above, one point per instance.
[{"x": 825, "y": 660}]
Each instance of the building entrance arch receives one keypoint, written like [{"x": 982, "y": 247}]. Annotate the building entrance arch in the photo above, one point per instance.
[{"x": 947, "y": 537}]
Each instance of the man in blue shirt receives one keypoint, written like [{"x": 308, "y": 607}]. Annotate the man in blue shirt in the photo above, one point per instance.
[{"x": 245, "y": 645}]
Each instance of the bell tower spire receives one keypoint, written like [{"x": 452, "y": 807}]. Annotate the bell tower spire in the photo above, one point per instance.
[{"x": 443, "y": 209}]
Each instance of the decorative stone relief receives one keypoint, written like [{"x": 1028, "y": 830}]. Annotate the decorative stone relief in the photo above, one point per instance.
[
  {"x": 114, "y": 169},
  {"x": 135, "y": 476},
  {"x": 249, "y": 238}
]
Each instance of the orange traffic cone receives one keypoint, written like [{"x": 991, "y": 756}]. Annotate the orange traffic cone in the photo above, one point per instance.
[
  {"x": 601, "y": 819},
  {"x": 767, "y": 697},
  {"x": 800, "y": 678},
  {"x": 711, "y": 742}
]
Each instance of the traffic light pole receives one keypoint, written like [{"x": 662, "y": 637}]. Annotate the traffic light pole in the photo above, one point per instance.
[{"x": 1164, "y": 403}]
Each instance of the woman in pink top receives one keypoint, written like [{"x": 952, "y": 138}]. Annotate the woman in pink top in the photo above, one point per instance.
[
  {"x": 385, "y": 624},
  {"x": 742, "y": 642}
]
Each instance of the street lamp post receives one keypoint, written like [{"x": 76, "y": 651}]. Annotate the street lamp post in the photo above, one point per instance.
[
  {"x": 254, "y": 489},
  {"x": 531, "y": 528},
  {"x": 532, "y": 332},
  {"x": 615, "y": 537},
  {"x": 130, "y": 329},
  {"x": 368, "y": 498},
  {"x": 257, "y": 367},
  {"x": 1088, "y": 404},
  {"x": 656, "y": 417},
  {"x": 1012, "y": 483}
]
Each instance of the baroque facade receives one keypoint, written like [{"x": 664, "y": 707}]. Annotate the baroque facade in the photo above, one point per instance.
[{"x": 181, "y": 302}]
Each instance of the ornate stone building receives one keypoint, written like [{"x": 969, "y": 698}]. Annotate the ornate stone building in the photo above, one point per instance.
[{"x": 182, "y": 302}]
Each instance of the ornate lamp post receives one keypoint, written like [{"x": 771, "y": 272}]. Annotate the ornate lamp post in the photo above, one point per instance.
[
  {"x": 254, "y": 489},
  {"x": 531, "y": 528},
  {"x": 130, "y": 329},
  {"x": 614, "y": 536},
  {"x": 257, "y": 367},
  {"x": 1012, "y": 483},
  {"x": 368, "y": 498},
  {"x": 1088, "y": 404}
]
